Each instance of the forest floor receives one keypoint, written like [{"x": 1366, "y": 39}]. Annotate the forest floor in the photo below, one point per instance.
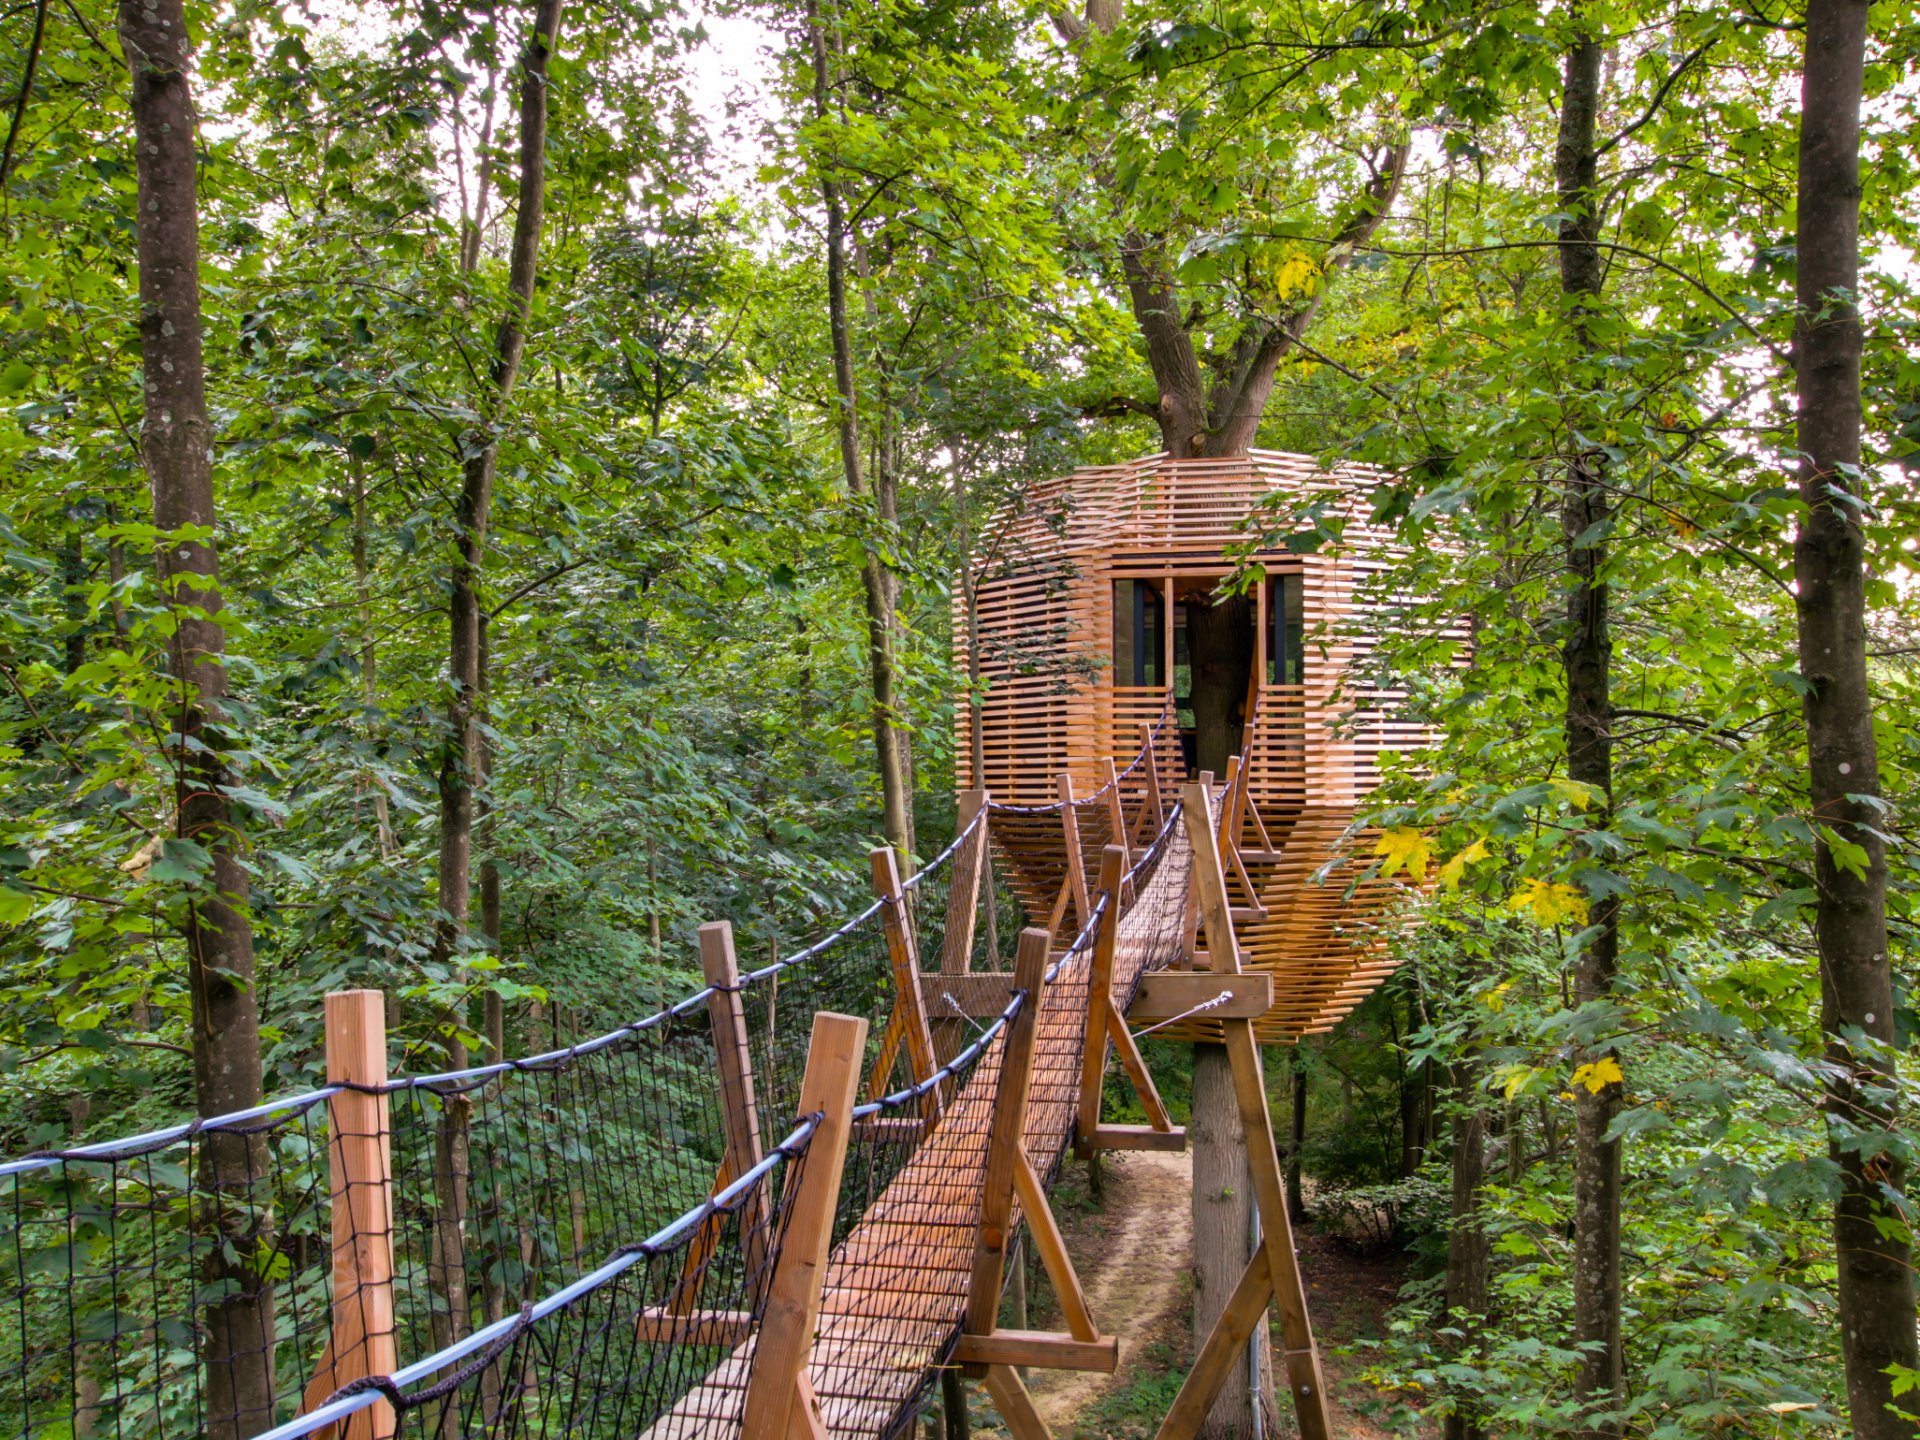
[{"x": 1134, "y": 1253}]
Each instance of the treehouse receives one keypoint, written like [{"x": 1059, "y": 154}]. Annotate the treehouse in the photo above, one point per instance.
[{"x": 1096, "y": 616}]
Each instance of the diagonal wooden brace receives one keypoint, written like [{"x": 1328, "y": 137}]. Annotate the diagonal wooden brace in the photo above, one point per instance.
[{"x": 1104, "y": 1024}]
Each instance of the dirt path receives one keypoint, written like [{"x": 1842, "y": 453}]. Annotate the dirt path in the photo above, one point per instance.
[{"x": 1133, "y": 1256}]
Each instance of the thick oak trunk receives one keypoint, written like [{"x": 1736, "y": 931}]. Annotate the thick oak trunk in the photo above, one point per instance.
[
  {"x": 1586, "y": 657},
  {"x": 1829, "y": 553},
  {"x": 1467, "y": 1248},
  {"x": 1222, "y": 1229},
  {"x": 176, "y": 443}
]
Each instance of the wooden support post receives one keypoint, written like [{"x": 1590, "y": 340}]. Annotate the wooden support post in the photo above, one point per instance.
[
  {"x": 1093, "y": 1051},
  {"x": 1154, "y": 805},
  {"x": 780, "y": 1403},
  {"x": 963, "y": 893},
  {"x": 360, "y": 1183},
  {"x": 1116, "y": 812},
  {"x": 739, "y": 1112},
  {"x": 910, "y": 1016},
  {"x": 1104, "y": 1023},
  {"x": 1076, "y": 865},
  {"x": 1273, "y": 1275},
  {"x": 1230, "y": 819},
  {"x": 1004, "y": 1139}
]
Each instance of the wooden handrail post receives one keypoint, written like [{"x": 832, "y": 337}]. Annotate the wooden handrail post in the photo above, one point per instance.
[
  {"x": 963, "y": 892},
  {"x": 909, "y": 1012},
  {"x": 739, "y": 1113},
  {"x": 1093, "y": 1054},
  {"x": 1076, "y": 863},
  {"x": 360, "y": 1183},
  {"x": 1152, "y": 763},
  {"x": 780, "y": 1404},
  {"x": 1006, "y": 1136},
  {"x": 1116, "y": 813}
]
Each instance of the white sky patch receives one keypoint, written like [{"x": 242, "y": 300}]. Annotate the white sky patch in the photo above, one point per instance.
[{"x": 730, "y": 84}]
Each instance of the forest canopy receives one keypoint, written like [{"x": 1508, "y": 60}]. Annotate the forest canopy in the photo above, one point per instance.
[{"x": 485, "y": 489}]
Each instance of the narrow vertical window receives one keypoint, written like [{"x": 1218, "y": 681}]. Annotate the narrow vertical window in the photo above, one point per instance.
[
  {"x": 1286, "y": 644},
  {"x": 1139, "y": 637}
]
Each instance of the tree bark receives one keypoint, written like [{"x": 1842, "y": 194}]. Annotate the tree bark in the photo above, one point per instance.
[
  {"x": 176, "y": 444},
  {"x": 876, "y": 585},
  {"x": 1222, "y": 1227},
  {"x": 462, "y": 762},
  {"x": 1856, "y": 988},
  {"x": 1467, "y": 1250},
  {"x": 1297, "y": 1140},
  {"x": 1586, "y": 658},
  {"x": 1220, "y": 651}
]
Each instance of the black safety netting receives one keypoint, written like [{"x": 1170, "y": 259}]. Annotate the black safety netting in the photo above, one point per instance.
[
  {"x": 650, "y": 1342},
  {"x": 171, "y": 1284}
]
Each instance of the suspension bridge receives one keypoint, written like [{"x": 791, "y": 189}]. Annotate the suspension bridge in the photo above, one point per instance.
[{"x": 779, "y": 1207}]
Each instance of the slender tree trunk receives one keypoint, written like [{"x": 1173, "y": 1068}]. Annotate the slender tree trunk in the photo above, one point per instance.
[
  {"x": 1297, "y": 1138},
  {"x": 1586, "y": 658},
  {"x": 1222, "y": 1227},
  {"x": 895, "y": 799},
  {"x": 369, "y": 656},
  {"x": 462, "y": 761},
  {"x": 176, "y": 442},
  {"x": 1829, "y": 554},
  {"x": 1467, "y": 1250}
]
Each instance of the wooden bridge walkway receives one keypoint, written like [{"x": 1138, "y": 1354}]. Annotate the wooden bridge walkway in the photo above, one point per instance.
[{"x": 896, "y": 1288}]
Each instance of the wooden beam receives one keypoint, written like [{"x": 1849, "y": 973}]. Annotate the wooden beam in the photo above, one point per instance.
[
  {"x": 1041, "y": 1348},
  {"x": 661, "y": 1325},
  {"x": 901, "y": 950},
  {"x": 1093, "y": 1051},
  {"x": 1015, "y": 1405},
  {"x": 360, "y": 1186},
  {"x": 1006, "y": 1137},
  {"x": 1221, "y": 1354},
  {"x": 1076, "y": 863},
  {"x": 1136, "y": 1067},
  {"x": 1167, "y": 993},
  {"x": 1210, "y": 886},
  {"x": 1052, "y": 1248},
  {"x": 1116, "y": 813},
  {"x": 1139, "y": 1137},
  {"x": 1154, "y": 804},
  {"x": 978, "y": 996},
  {"x": 740, "y": 1115},
  {"x": 775, "y": 1388},
  {"x": 963, "y": 891}
]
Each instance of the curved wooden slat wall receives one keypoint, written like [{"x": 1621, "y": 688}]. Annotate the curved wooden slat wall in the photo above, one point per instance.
[{"x": 1045, "y": 587}]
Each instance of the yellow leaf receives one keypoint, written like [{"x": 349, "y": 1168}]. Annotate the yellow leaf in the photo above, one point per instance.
[
  {"x": 1451, "y": 872},
  {"x": 1549, "y": 904},
  {"x": 1496, "y": 998},
  {"x": 1405, "y": 848},
  {"x": 1575, "y": 792},
  {"x": 1515, "y": 1078},
  {"x": 1787, "y": 1407},
  {"x": 1601, "y": 1073}
]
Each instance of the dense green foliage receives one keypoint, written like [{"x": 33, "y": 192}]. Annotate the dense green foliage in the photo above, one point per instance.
[{"x": 677, "y": 714}]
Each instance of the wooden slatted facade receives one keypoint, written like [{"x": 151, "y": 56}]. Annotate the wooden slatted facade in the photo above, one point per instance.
[{"x": 1055, "y": 649}]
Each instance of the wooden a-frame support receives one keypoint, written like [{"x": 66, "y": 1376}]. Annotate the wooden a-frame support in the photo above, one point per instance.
[
  {"x": 780, "y": 1401},
  {"x": 984, "y": 1350},
  {"x": 1272, "y": 1276},
  {"x": 1105, "y": 1024},
  {"x": 907, "y": 1023}
]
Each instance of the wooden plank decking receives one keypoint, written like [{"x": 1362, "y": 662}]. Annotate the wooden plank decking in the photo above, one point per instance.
[{"x": 896, "y": 1286}]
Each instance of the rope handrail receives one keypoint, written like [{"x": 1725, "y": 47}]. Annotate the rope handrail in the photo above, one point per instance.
[{"x": 356, "y": 1396}]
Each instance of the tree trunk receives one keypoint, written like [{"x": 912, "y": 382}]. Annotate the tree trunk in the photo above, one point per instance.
[
  {"x": 462, "y": 762},
  {"x": 176, "y": 444},
  {"x": 875, "y": 582},
  {"x": 1586, "y": 657},
  {"x": 1829, "y": 553},
  {"x": 1222, "y": 1227},
  {"x": 369, "y": 656},
  {"x": 1296, "y": 1201},
  {"x": 1467, "y": 1252},
  {"x": 1220, "y": 649}
]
